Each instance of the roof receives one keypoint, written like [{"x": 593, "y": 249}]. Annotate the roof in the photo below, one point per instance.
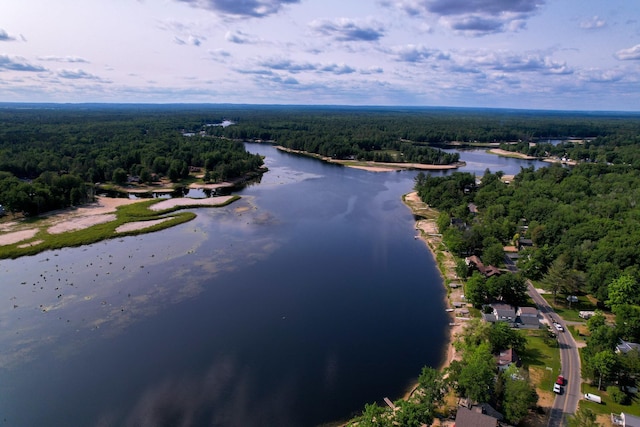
[
  {"x": 629, "y": 420},
  {"x": 506, "y": 357},
  {"x": 468, "y": 418},
  {"x": 626, "y": 346},
  {"x": 528, "y": 311},
  {"x": 504, "y": 311}
]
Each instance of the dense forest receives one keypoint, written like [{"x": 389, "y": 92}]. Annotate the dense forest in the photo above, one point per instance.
[
  {"x": 51, "y": 157},
  {"x": 419, "y": 134},
  {"x": 582, "y": 221}
]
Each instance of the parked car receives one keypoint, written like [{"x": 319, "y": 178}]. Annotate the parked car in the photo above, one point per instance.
[
  {"x": 560, "y": 380},
  {"x": 557, "y": 389}
]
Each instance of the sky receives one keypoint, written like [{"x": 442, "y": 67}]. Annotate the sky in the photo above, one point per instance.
[{"x": 527, "y": 54}]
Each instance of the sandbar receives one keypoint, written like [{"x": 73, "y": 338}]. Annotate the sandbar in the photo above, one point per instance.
[
  {"x": 505, "y": 153},
  {"x": 140, "y": 225},
  {"x": 185, "y": 201}
]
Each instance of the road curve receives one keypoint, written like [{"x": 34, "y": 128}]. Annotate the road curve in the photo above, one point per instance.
[{"x": 565, "y": 404}]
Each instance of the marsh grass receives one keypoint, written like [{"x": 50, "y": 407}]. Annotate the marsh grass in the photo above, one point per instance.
[{"x": 135, "y": 212}]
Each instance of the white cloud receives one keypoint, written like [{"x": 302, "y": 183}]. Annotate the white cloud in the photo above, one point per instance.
[
  {"x": 632, "y": 53},
  {"x": 5, "y": 37},
  {"x": 593, "y": 23},
  {"x": 239, "y": 37},
  {"x": 242, "y": 8},
  {"x": 346, "y": 30},
  {"x": 68, "y": 59},
  {"x": 77, "y": 75},
  {"x": 18, "y": 64},
  {"x": 474, "y": 17}
]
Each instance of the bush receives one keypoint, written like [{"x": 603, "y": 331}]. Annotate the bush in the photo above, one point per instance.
[{"x": 617, "y": 395}]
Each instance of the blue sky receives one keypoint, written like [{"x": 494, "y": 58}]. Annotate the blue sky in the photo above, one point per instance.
[{"x": 548, "y": 54}]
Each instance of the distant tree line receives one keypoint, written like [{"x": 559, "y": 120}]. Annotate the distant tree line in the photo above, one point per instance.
[
  {"x": 50, "y": 158},
  {"x": 417, "y": 134}
]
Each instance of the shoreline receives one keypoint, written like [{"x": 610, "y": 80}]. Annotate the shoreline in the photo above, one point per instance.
[
  {"x": 372, "y": 166},
  {"x": 427, "y": 228},
  {"x": 58, "y": 229}
]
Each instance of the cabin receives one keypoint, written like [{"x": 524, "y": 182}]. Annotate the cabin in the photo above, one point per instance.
[
  {"x": 507, "y": 358},
  {"x": 487, "y": 270},
  {"x": 625, "y": 347},
  {"x": 527, "y": 317},
  {"x": 500, "y": 313},
  {"x": 524, "y": 243},
  {"x": 471, "y": 418},
  {"x": 625, "y": 420}
]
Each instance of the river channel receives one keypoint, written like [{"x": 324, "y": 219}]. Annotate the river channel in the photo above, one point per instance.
[{"x": 294, "y": 306}]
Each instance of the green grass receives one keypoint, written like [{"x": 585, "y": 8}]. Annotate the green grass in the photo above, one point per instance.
[
  {"x": 570, "y": 313},
  {"x": 608, "y": 406},
  {"x": 542, "y": 352},
  {"x": 124, "y": 214}
]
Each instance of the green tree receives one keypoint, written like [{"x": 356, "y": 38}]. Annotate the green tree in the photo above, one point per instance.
[
  {"x": 519, "y": 396},
  {"x": 476, "y": 378},
  {"x": 604, "y": 365},
  {"x": 475, "y": 289},
  {"x": 412, "y": 414},
  {"x": 562, "y": 278},
  {"x": 584, "y": 417},
  {"x": 494, "y": 254},
  {"x": 373, "y": 416},
  {"x": 119, "y": 176},
  {"x": 432, "y": 386},
  {"x": 623, "y": 290},
  {"x": 502, "y": 337}
]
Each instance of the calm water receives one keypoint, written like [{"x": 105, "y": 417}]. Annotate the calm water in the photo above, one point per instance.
[{"x": 292, "y": 307}]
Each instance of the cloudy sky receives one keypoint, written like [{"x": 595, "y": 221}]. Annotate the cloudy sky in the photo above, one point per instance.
[{"x": 549, "y": 54}]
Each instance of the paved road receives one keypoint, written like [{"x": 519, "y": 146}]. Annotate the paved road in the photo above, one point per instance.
[{"x": 566, "y": 403}]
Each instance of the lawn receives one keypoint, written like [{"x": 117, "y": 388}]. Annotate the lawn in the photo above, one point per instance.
[
  {"x": 608, "y": 406},
  {"x": 570, "y": 313},
  {"x": 542, "y": 357}
]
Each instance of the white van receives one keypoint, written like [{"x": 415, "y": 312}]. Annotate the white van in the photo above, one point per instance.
[{"x": 593, "y": 397}]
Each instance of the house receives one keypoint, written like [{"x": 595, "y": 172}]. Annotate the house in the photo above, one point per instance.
[
  {"x": 524, "y": 243},
  {"x": 625, "y": 420},
  {"x": 486, "y": 270},
  {"x": 469, "y": 418},
  {"x": 625, "y": 347},
  {"x": 511, "y": 252},
  {"x": 458, "y": 223},
  {"x": 586, "y": 314},
  {"x": 506, "y": 358},
  {"x": 527, "y": 317},
  {"x": 500, "y": 313},
  {"x": 473, "y": 208}
]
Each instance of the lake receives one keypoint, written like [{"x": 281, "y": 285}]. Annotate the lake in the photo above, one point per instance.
[{"x": 294, "y": 306}]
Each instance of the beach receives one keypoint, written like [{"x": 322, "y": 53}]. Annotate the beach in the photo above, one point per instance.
[
  {"x": 428, "y": 233},
  {"x": 103, "y": 210},
  {"x": 371, "y": 166}
]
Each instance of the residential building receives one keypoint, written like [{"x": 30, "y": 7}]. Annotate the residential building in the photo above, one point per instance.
[
  {"x": 625, "y": 347},
  {"x": 470, "y": 418}
]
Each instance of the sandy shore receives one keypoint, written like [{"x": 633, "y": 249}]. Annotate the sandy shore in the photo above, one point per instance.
[
  {"x": 506, "y": 153},
  {"x": 371, "y": 166},
  {"x": 428, "y": 233},
  {"x": 99, "y": 212},
  {"x": 62, "y": 221},
  {"x": 185, "y": 201}
]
